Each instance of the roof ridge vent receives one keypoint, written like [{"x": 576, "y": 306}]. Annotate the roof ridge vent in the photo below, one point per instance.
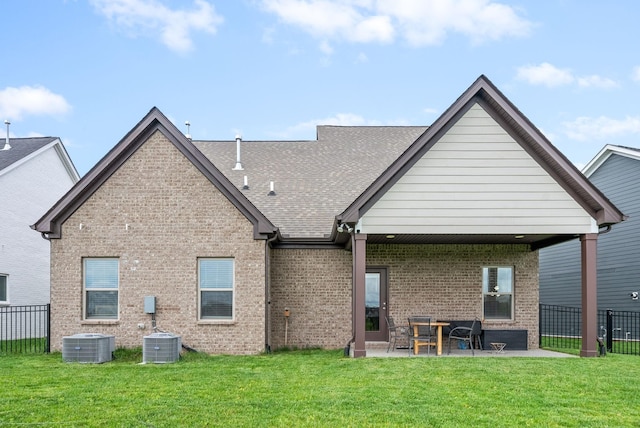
[
  {"x": 7, "y": 146},
  {"x": 238, "y": 166}
]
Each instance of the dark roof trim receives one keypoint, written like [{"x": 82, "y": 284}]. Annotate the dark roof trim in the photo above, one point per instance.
[
  {"x": 519, "y": 127},
  {"x": 51, "y": 223},
  {"x": 606, "y": 152}
]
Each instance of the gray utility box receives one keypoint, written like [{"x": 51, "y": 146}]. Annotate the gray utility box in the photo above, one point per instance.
[
  {"x": 161, "y": 348},
  {"x": 88, "y": 348}
]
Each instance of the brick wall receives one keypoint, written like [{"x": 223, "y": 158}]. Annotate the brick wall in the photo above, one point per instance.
[
  {"x": 444, "y": 281},
  {"x": 316, "y": 287},
  {"x": 158, "y": 214}
]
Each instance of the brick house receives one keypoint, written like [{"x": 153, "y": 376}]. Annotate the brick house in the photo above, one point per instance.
[{"x": 338, "y": 232}]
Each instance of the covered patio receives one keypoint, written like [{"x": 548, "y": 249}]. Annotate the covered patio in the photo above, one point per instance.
[{"x": 479, "y": 191}]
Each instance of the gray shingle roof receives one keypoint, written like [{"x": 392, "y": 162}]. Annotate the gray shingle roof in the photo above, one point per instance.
[
  {"x": 313, "y": 180},
  {"x": 21, "y": 148}
]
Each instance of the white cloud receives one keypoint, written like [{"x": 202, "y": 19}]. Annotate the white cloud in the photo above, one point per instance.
[
  {"x": 326, "y": 48},
  {"x": 636, "y": 73},
  {"x": 428, "y": 22},
  {"x": 545, "y": 74},
  {"x": 327, "y": 19},
  {"x": 174, "y": 27},
  {"x": 420, "y": 22},
  {"x": 362, "y": 58},
  {"x": 341, "y": 119},
  {"x": 16, "y": 103},
  {"x": 601, "y": 128},
  {"x": 549, "y": 75},
  {"x": 596, "y": 82}
]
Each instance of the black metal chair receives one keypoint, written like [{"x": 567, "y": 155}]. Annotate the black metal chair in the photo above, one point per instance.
[
  {"x": 395, "y": 332},
  {"x": 426, "y": 334},
  {"x": 467, "y": 335}
]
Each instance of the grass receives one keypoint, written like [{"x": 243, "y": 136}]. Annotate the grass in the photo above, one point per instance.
[
  {"x": 23, "y": 346},
  {"x": 320, "y": 388}
]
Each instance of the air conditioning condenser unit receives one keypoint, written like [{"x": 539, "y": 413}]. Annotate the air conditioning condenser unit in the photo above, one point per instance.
[
  {"x": 161, "y": 348},
  {"x": 88, "y": 348}
]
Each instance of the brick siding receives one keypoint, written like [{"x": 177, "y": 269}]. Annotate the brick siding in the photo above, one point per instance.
[
  {"x": 316, "y": 287},
  {"x": 444, "y": 281},
  {"x": 158, "y": 214}
]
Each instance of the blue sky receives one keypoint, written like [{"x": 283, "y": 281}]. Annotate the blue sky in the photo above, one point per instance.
[{"x": 88, "y": 70}]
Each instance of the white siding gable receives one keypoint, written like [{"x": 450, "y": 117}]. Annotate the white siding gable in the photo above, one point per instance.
[
  {"x": 28, "y": 190},
  {"x": 476, "y": 180}
]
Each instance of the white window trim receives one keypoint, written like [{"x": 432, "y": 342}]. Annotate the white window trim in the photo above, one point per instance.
[
  {"x": 84, "y": 291},
  {"x": 230, "y": 320},
  {"x": 512, "y": 293}
]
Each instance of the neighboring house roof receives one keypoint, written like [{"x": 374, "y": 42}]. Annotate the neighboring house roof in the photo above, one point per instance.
[
  {"x": 51, "y": 223},
  {"x": 23, "y": 149},
  {"x": 605, "y": 153}
]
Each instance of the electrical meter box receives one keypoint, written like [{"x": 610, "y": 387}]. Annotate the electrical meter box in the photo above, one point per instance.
[{"x": 149, "y": 304}]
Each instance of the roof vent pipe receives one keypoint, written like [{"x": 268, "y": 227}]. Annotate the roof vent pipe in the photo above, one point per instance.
[
  {"x": 188, "y": 135},
  {"x": 238, "y": 166},
  {"x": 272, "y": 189},
  {"x": 7, "y": 146}
]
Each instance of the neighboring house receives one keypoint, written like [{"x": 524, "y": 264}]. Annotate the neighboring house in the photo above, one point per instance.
[
  {"x": 230, "y": 237},
  {"x": 34, "y": 174},
  {"x": 616, "y": 172}
]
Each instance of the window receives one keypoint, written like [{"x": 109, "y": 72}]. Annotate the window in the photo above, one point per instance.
[
  {"x": 4, "y": 293},
  {"x": 497, "y": 293},
  {"x": 215, "y": 277},
  {"x": 101, "y": 280}
]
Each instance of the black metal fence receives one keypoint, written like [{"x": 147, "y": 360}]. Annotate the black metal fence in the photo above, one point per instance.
[
  {"x": 25, "y": 329},
  {"x": 561, "y": 327}
]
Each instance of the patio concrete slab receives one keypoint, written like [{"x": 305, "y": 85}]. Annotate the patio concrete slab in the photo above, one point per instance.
[{"x": 379, "y": 350}]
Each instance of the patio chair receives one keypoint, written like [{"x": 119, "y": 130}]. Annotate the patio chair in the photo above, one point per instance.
[
  {"x": 426, "y": 334},
  {"x": 467, "y": 335},
  {"x": 395, "y": 332}
]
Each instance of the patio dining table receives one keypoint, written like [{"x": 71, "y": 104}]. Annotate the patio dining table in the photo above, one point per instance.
[{"x": 438, "y": 325}]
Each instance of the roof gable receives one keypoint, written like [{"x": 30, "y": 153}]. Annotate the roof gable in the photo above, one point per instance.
[
  {"x": 485, "y": 94},
  {"x": 24, "y": 149},
  {"x": 476, "y": 180},
  {"x": 606, "y": 152},
  {"x": 51, "y": 223}
]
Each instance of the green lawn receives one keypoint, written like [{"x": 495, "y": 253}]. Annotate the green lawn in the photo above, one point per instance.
[{"x": 320, "y": 388}]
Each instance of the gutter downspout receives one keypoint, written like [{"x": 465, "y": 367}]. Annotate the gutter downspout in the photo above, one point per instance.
[{"x": 267, "y": 292}]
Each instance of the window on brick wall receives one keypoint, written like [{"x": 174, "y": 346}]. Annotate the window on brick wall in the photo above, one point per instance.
[
  {"x": 4, "y": 289},
  {"x": 497, "y": 292},
  {"x": 101, "y": 283},
  {"x": 216, "y": 286}
]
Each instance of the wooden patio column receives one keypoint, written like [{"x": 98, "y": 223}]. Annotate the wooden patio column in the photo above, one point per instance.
[
  {"x": 359, "y": 274},
  {"x": 588, "y": 245}
]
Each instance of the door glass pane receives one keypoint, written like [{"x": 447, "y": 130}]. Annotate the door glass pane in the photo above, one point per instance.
[{"x": 372, "y": 302}]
